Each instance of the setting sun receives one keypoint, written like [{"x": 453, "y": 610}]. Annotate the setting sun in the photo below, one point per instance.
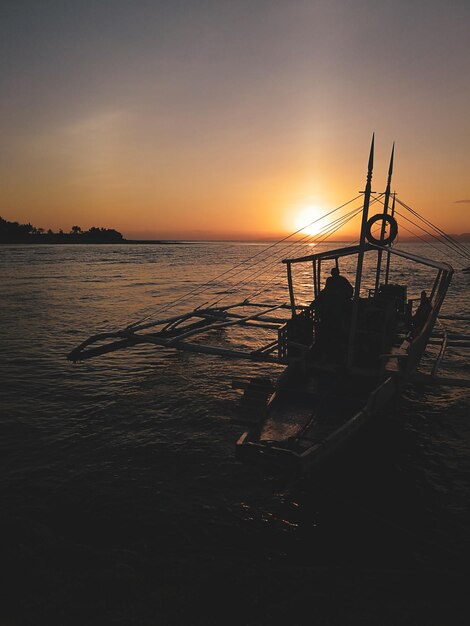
[{"x": 308, "y": 220}]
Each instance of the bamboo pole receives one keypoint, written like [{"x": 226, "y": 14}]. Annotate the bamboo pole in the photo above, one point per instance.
[
  {"x": 382, "y": 230},
  {"x": 281, "y": 306},
  {"x": 314, "y": 270},
  {"x": 457, "y": 318},
  {"x": 216, "y": 326},
  {"x": 387, "y": 266},
  {"x": 82, "y": 354},
  {"x": 267, "y": 348},
  {"x": 291, "y": 289},
  {"x": 195, "y": 312},
  {"x": 165, "y": 343},
  {"x": 263, "y": 318},
  {"x": 205, "y": 349},
  {"x": 360, "y": 258}
]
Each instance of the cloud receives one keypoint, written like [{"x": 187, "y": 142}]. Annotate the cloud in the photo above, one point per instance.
[{"x": 461, "y": 201}]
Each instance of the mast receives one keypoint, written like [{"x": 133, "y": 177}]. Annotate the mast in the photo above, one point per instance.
[
  {"x": 382, "y": 230},
  {"x": 360, "y": 256},
  {"x": 387, "y": 267}
]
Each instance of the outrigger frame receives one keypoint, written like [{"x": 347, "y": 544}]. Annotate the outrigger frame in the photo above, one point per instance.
[{"x": 173, "y": 332}]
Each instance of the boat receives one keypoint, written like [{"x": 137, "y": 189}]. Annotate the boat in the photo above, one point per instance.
[
  {"x": 344, "y": 371},
  {"x": 346, "y": 353}
]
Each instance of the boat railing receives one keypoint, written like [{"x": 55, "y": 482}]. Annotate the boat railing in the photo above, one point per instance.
[
  {"x": 296, "y": 336},
  {"x": 419, "y": 342}
]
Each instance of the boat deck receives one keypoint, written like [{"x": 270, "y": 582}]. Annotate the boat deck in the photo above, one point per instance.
[{"x": 306, "y": 412}]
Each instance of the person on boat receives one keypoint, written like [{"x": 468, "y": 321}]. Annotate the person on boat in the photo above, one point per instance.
[
  {"x": 338, "y": 286},
  {"x": 334, "y": 307},
  {"x": 334, "y": 299},
  {"x": 421, "y": 315}
]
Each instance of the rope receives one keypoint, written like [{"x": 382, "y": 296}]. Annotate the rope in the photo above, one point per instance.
[
  {"x": 201, "y": 288},
  {"x": 433, "y": 236},
  {"x": 452, "y": 248},
  {"x": 319, "y": 242},
  {"x": 276, "y": 261},
  {"x": 436, "y": 228},
  {"x": 327, "y": 234},
  {"x": 428, "y": 243},
  {"x": 314, "y": 239},
  {"x": 344, "y": 220},
  {"x": 452, "y": 243}
]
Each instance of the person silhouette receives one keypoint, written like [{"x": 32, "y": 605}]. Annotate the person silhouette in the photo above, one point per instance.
[
  {"x": 338, "y": 286},
  {"x": 334, "y": 308},
  {"x": 421, "y": 316}
]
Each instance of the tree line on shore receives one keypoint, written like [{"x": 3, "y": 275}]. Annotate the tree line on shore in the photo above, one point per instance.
[{"x": 13, "y": 232}]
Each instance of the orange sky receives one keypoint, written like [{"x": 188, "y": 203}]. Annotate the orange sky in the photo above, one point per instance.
[{"x": 229, "y": 121}]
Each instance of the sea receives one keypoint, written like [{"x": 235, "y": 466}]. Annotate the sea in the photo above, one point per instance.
[{"x": 122, "y": 501}]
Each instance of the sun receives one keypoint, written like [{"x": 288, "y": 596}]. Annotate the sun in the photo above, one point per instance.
[{"x": 308, "y": 220}]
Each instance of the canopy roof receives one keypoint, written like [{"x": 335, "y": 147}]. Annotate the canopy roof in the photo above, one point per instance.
[{"x": 340, "y": 252}]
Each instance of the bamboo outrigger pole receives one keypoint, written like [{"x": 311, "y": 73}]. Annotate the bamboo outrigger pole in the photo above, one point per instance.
[
  {"x": 382, "y": 230},
  {"x": 360, "y": 256}
]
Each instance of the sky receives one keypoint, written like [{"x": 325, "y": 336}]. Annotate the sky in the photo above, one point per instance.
[{"x": 230, "y": 119}]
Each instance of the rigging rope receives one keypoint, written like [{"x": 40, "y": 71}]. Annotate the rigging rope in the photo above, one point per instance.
[
  {"x": 462, "y": 250},
  {"x": 451, "y": 248},
  {"x": 343, "y": 221},
  {"x": 329, "y": 227},
  {"x": 436, "y": 228},
  {"x": 201, "y": 288},
  {"x": 276, "y": 276},
  {"x": 296, "y": 243},
  {"x": 428, "y": 243},
  {"x": 272, "y": 251},
  {"x": 324, "y": 231}
]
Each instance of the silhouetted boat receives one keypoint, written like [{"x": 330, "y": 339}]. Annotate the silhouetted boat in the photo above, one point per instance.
[
  {"x": 346, "y": 357},
  {"x": 343, "y": 371}
]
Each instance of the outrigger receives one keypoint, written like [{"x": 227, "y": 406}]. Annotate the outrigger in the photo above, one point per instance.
[{"x": 346, "y": 354}]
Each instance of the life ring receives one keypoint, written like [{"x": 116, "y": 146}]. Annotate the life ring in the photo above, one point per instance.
[{"x": 382, "y": 217}]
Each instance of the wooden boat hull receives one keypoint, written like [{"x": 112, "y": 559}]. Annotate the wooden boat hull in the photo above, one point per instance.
[{"x": 301, "y": 452}]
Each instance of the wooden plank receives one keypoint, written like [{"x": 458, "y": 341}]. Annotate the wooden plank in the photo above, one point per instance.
[
  {"x": 314, "y": 278},
  {"x": 282, "y": 306},
  {"x": 268, "y": 348},
  {"x": 291, "y": 289},
  {"x": 327, "y": 255},
  {"x": 440, "y": 356},
  {"x": 457, "y": 318},
  {"x": 427, "y": 379},
  {"x": 445, "y": 267},
  {"x": 264, "y": 318}
]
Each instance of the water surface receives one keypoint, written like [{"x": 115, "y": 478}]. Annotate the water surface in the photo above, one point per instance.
[{"x": 122, "y": 501}]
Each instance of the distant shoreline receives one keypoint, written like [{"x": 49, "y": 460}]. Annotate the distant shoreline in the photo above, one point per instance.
[
  {"x": 96, "y": 243},
  {"x": 182, "y": 242},
  {"x": 13, "y": 233}
]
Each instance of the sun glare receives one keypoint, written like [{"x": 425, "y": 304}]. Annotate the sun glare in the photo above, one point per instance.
[{"x": 307, "y": 220}]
